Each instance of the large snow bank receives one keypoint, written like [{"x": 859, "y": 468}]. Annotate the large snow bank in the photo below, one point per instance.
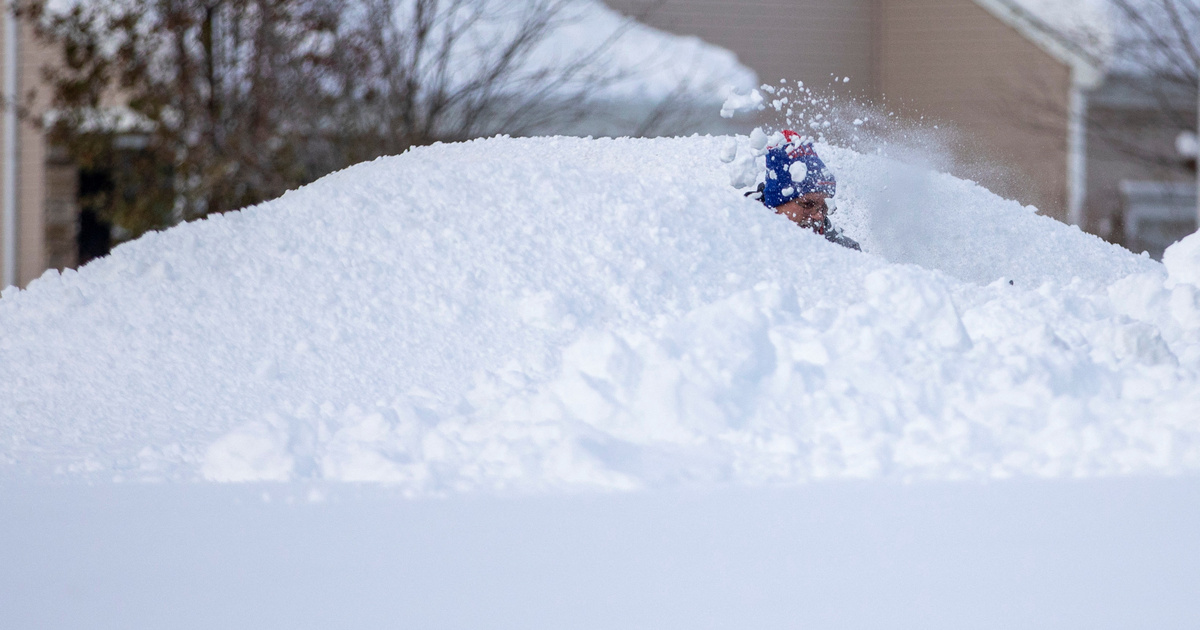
[{"x": 572, "y": 313}]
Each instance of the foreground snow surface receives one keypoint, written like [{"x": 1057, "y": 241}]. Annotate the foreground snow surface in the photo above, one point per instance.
[
  {"x": 1100, "y": 554},
  {"x": 525, "y": 315}
]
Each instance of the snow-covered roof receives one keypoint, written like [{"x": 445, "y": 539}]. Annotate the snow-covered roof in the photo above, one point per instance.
[
  {"x": 1072, "y": 17},
  {"x": 651, "y": 63},
  {"x": 118, "y": 119},
  {"x": 617, "y": 57},
  {"x": 623, "y": 58}
]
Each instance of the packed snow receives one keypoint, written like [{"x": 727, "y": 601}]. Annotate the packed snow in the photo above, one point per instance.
[{"x": 560, "y": 314}]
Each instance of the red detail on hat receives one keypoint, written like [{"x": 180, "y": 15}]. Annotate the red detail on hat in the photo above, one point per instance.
[{"x": 797, "y": 148}]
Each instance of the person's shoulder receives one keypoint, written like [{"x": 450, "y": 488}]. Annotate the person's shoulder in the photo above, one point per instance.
[{"x": 834, "y": 235}]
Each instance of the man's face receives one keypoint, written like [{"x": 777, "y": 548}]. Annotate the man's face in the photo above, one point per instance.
[{"x": 808, "y": 211}]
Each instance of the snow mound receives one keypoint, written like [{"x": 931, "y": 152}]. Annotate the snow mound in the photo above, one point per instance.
[
  {"x": 1182, "y": 260},
  {"x": 555, "y": 313}
]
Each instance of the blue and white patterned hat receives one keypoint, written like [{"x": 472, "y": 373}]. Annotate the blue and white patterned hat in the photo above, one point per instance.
[{"x": 793, "y": 170}]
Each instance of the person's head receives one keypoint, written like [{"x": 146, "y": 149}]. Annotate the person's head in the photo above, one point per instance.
[
  {"x": 807, "y": 211},
  {"x": 798, "y": 184}
]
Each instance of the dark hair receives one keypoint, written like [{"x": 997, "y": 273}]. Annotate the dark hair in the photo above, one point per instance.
[{"x": 756, "y": 194}]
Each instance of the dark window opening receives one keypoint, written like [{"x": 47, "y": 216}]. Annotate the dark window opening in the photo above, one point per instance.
[{"x": 95, "y": 234}]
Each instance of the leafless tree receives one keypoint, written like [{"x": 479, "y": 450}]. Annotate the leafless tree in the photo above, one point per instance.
[
  {"x": 214, "y": 96},
  {"x": 427, "y": 70},
  {"x": 231, "y": 102},
  {"x": 1156, "y": 59},
  {"x": 1148, "y": 52}
]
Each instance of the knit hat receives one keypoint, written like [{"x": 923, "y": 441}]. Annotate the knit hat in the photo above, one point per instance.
[{"x": 794, "y": 170}]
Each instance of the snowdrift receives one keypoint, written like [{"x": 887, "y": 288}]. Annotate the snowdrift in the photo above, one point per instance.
[{"x": 556, "y": 314}]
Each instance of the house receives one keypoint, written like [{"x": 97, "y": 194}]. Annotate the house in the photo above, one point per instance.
[{"x": 1141, "y": 185}]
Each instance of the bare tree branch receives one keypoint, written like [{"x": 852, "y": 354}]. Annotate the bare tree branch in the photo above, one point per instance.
[{"x": 244, "y": 99}]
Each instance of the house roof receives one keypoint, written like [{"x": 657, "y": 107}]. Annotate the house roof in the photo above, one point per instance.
[{"x": 1087, "y": 66}]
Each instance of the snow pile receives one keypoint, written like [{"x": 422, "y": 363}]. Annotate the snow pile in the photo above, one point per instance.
[
  {"x": 737, "y": 103},
  {"x": 1182, "y": 261},
  {"x": 560, "y": 313}
]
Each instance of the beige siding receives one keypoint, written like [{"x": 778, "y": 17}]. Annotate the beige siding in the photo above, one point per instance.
[
  {"x": 34, "y": 226},
  {"x": 4, "y": 256},
  {"x": 62, "y": 211},
  {"x": 31, "y": 187},
  {"x": 806, "y": 40},
  {"x": 953, "y": 60}
]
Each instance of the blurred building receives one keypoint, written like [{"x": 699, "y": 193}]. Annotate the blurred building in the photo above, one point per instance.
[
  {"x": 1141, "y": 185},
  {"x": 39, "y": 221}
]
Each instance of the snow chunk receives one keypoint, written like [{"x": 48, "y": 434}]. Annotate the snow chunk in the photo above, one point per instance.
[
  {"x": 1187, "y": 145},
  {"x": 729, "y": 151},
  {"x": 256, "y": 451},
  {"x": 1182, "y": 260},
  {"x": 799, "y": 171},
  {"x": 741, "y": 103},
  {"x": 758, "y": 139}
]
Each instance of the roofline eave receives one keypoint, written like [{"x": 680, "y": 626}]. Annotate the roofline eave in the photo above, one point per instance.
[{"x": 1087, "y": 71}]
